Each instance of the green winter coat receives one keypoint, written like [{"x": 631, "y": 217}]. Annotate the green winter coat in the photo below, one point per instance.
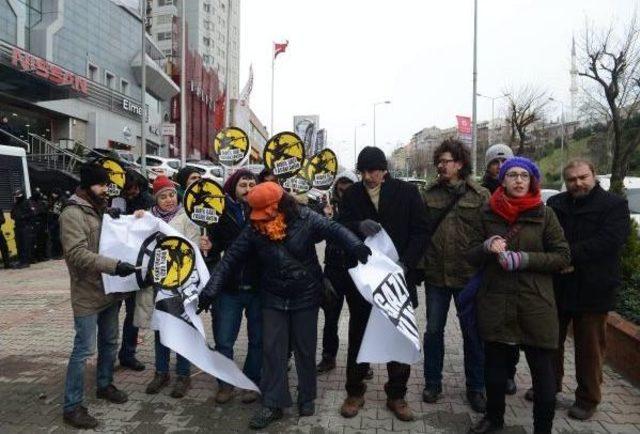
[
  {"x": 445, "y": 263},
  {"x": 518, "y": 307}
]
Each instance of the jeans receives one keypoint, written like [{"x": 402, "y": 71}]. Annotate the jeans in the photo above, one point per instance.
[
  {"x": 589, "y": 340},
  {"x": 163, "y": 355},
  {"x": 438, "y": 301},
  {"x": 541, "y": 365},
  {"x": 84, "y": 344},
  {"x": 281, "y": 327},
  {"x": 227, "y": 318},
  {"x": 129, "y": 333}
]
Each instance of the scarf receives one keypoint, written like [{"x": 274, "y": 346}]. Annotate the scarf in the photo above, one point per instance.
[
  {"x": 275, "y": 229},
  {"x": 166, "y": 216},
  {"x": 97, "y": 204},
  {"x": 510, "y": 208},
  {"x": 236, "y": 209},
  {"x": 374, "y": 195}
]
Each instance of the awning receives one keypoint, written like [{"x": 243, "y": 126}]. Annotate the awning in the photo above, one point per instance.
[{"x": 159, "y": 84}]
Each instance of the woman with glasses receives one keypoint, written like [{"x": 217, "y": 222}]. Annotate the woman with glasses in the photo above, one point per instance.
[{"x": 520, "y": 244}]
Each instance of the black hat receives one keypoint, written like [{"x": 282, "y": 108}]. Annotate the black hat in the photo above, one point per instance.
[
  {"x": 183, "y": 175},
  {"x": 371, "y": 158},
  {"x": 92, "y": 174}
]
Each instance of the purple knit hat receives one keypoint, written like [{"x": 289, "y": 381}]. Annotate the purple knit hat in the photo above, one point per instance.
[{"x": 521, "y": 162}]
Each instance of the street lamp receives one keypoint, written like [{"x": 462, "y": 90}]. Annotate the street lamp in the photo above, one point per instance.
[
  {"x": 561, "y": 135},
  {"x": 493, "y": 100},
  {"x": 355, "y": 143},
  {"x": 374, "y": 118}
]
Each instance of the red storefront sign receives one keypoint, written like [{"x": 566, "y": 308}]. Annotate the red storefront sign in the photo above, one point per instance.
[{"x": 27, "y": 62}]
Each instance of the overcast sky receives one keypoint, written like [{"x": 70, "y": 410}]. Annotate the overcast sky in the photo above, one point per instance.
[{"x": 345, "y": 55}]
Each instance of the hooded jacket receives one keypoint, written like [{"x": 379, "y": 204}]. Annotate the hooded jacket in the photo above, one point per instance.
[{"x": 80, "y": 226}]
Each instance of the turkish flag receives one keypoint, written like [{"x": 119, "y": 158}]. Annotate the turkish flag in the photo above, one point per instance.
[{"x": 279, "y": 48}]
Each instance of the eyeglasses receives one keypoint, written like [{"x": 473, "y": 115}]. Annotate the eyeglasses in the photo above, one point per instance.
[
  {"x": 514, "y": 175},
  {"x": 444, "y": 161}
]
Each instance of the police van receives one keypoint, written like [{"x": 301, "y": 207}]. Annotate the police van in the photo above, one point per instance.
[{"x": 14, "y": 174}]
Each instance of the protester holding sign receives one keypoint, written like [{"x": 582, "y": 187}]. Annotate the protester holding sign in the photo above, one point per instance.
[
  {"x": 240, "y": 294},
  {"x": 520, "y": 244},
  {"x": 170, "y": 211},
  {"x": 282, "y": 236},
  {"x": 93, "y": 310},
  {"x": 376, "y": 202}
]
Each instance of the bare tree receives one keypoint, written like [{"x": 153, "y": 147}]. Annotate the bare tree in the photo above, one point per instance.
[
  {"x": 612, "y": 64},
  {"x": 525, "y": 106}
]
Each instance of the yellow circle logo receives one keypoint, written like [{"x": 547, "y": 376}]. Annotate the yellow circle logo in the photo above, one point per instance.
[
  {"x": 172, "y": 262},
  {"x": 321, "y": 169},
  {"x": 231, "y": 145},
  {"x": 204, "y": 202},
  {"x": 116, "y": 175},
  {"x": 284, "y": 154}
]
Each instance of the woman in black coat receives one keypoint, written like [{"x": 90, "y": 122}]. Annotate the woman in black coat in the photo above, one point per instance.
[{"x": 282, "y": 238}]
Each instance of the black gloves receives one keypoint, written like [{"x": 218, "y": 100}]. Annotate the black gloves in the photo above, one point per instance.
[
  {"x": 114, "y": 213},
  {"x": 362, "y": 253},
  {"x": 123, "y": 269},
  {"x": 369, "y": 227},
  {"x": 204, "y": 303}
]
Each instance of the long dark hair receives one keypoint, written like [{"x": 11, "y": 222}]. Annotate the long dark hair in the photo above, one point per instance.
[
  {"x": 289, "y": 207},
  {"x": 459, "y": 152}
]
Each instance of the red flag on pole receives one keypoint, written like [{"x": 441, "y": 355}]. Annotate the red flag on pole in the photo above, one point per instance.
[
  {"x": 279, "y": 48},
  {"x": 464, "y": 124}
]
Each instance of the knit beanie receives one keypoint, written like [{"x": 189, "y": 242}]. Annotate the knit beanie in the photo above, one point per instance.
[
  {"x": 93, "y": 174},
  {"x": 499, "y": 150},
  {"x": 371, "y": 158},
  {"x": 523, "y": 163},
  {"x": 183, "y": 174},
  {"x": 161, "y": 184},
  {"x": 231, "y": 183},
  {"x": 263, "y": 200}
]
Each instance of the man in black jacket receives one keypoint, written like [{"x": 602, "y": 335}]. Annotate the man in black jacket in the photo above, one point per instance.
[
  {"x": 381, "y": 202},
  {"x": 596, "y": 224},
  {"x": 240, "y": 294},
  {"x": 23, "y": 214}
]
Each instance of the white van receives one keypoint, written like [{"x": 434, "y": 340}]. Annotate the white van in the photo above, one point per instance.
[{"x": 14, "y": 174}]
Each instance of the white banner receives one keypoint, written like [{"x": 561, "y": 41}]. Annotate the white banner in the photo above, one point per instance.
[
  {"x": 392, "y": 331},
  {"x": 131, "y": 239}
]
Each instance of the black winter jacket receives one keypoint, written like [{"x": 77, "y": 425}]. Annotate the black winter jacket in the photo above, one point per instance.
[
  {"x": 596, "y": 227},
  {"x": 401, "y": 213},
  {"x": 222, "y": 236},
  {"x": 290, "y": 275}
]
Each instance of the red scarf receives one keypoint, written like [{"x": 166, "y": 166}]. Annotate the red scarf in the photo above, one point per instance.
[{"x": 509, "y": 207}]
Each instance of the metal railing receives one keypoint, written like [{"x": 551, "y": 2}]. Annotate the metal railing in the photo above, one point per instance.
[
  {"x": 12, "y": 140},
  {"x": 52, "y": 156}
]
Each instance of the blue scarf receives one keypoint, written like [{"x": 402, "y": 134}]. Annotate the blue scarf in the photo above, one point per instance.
[{"x": 236, "y": 209}]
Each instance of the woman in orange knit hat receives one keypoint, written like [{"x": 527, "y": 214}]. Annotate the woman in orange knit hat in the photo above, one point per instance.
[{"x": 282, "y": 238}]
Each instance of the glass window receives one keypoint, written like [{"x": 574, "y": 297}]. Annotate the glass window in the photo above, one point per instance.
[
  {"x": 152, "y": 162},
  {"x": 163, "y": 19},
  {"x": 109, "y": 80},
  {"x": 174, "y": 164},
  {"x": 164, "y": 36},
  {"x": 124, "y": 86},
  {"x": 92, "y": 73},
  {"x": 165, "y": 2}
]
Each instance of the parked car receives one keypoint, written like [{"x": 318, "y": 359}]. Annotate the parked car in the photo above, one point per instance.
[
  {"x": 418, "y": 182},
  {"x": 208, "y": 170},
  {"x": 160, "y": 166},
  {"x": 546, "y": 193}
]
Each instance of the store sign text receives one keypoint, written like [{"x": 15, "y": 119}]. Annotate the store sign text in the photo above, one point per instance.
[{"x": 53, "y": 73}]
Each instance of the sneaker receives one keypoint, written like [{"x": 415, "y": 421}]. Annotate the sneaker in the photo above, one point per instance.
[
  {"x": 183, "y": 382},
  {"x": 477, "y": 401},
  {"x": 369, "y": 374},
  {"x": 249, "y": 396},
  {"x": 485, "y": 425},
  {"x": 511, "y": 388},
  {"x": 326, "y": 365},
  {"x": 133, "y": 364},
  {"x": 351, "y": 406},
  {"x": 579, "y": 413},
  {"x": 264, "y": 417},
  {"x": 400, "y": 409},
  {"x": 160, "y": 380},
  {"x": 80, "y": 418},
  {"x": 307, "y": 409},
  {"x": 431, "y": 394},
  {"x": 224, "y": 394},
  {"x": 112, "y": 394},
  {"x": 528, "y": 395}
]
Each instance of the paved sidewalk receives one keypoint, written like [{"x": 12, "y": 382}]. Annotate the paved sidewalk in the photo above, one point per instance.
[{"x": 36, "y": 333}]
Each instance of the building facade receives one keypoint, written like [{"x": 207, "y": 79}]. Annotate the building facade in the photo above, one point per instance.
[{"x": 71, "y": 73}]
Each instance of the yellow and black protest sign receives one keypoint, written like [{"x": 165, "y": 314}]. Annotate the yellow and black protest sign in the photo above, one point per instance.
[
  {"x": 231, "y": 145},
  {"x": 204, "y": 202},
  {"x": 297, "y": 184},
  {"x": 321, "y": 169},
  {"x": 172, "y": 262},
  {"x": 284, "y": 154},
  {"x": 116, "y": 175}
]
